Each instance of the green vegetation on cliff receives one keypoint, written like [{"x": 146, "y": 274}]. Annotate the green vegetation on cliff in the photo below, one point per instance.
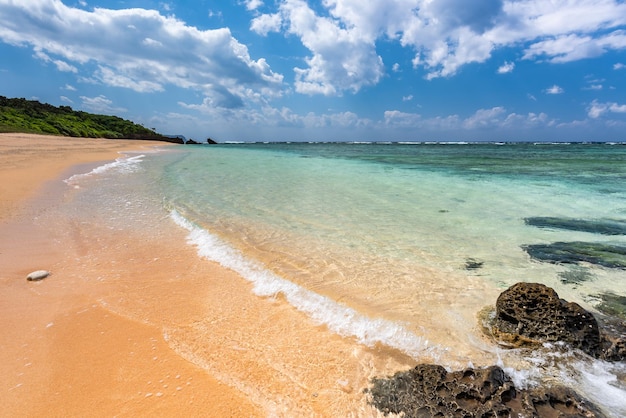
[{"x": 31, "y": 116}]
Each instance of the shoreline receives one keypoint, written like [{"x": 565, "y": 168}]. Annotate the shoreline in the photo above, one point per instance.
[
  {"x": 63, "y": 353},
  {"x": 133, "y": 322}
]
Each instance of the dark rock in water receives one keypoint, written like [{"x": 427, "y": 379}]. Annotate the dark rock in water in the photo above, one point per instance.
[
  {"x": 473, "y": 264},
  {"x": 614, "y": 348},
  {"x": 603, "y": 226},
  {"x": 210, "y": 141},
  {"x": 429, "y": 390},
  {"x": 576, "y": 276},
  {"x": 532, "y": 313},
  {"x": 606, "y": 255}
]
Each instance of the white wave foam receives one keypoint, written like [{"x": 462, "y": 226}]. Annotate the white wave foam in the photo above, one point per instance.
[
  {"x": 338, "y": 318},
  {"x": 599, "y": 381},
  {"x": 599, "y": 378},
  {"x": 121, "y": 165}
]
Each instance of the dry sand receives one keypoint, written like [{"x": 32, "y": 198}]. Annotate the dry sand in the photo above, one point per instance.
[{"x": 133, "y": 324}]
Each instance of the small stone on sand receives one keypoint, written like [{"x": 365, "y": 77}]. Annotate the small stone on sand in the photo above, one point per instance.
[{"x": 38, "y": 275}]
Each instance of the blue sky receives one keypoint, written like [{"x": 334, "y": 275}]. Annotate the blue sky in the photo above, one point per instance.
[{"x": 400, "y": 70}]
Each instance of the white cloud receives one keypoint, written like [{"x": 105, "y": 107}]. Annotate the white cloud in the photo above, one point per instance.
[
  {"x": 407, "y": 98},
  {"x": 619, "y": 66},
  {"x": 506, "y": 68},
  {"x": 554, "y": 90},
  {"x": 343, "y": 57},
  {"x": 395, "y": 68},
  {"x": 494, "y": 118},
  {"x": 274, "y": 117},
  {"x": 445, "y": 34},
  {"x": 264, "y": 24},
  {"x": 598, "y": 109},
  {"x": 143, "y": 50},
  {"x": 399, "y": 119},
  {"x": 60, "y": 64},
  {"x": 573, "y": 47},
  {"x": 100, "y": 104},
  {"x": 217, "y": 14},
  {"x": 253, "y": 4},
  {"x": 69, "y": 87},
  {"x": 484, "y": 118},
  {"x": 66, "y": 99}
]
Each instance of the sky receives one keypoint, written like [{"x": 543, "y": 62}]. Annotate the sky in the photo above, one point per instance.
[{"x": 328, "y": 70}]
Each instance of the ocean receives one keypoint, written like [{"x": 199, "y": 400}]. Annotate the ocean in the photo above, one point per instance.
[{"x": 404, "y": 246}]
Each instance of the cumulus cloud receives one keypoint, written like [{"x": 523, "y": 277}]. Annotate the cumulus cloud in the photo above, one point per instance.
[
  {"x": 554, "y": 90},
  {"x": 598, "y": 109},
  {"x": 484, "y": 118},
  {"x": 445, "y": 35},
  {"x": 278, "y": 117},
  {"x": 142, "y": 50},
  {"x": 493, "y": 118},
  {"x": 619, "y": 66},
  {"x": 253, "y": 4},
  {"x": 264, "y": 24},
  {"x": 507, "y": 67},
  {"x": 342, "y": 57},
  {"x": 100, "y": 104}
]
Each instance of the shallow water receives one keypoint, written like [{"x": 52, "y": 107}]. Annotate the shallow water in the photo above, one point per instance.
[{"x": 394, "y": 244}]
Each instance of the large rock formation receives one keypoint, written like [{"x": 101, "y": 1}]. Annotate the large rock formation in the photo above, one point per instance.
[
  {"x": 429, "y": 390},
  {"x": 531, "y": 314}
]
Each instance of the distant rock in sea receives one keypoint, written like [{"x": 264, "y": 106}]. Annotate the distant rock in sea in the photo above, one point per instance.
[{"x": 37, "y": 275}]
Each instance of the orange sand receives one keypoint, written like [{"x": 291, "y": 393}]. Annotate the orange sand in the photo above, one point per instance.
[
  {"x": 131, "y": 325},
  {"x": 61, "y": 354}
]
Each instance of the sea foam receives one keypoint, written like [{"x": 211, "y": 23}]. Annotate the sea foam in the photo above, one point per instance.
[
  {"x": 120, "y": 165},
  {"x": 338, "y": 318}
]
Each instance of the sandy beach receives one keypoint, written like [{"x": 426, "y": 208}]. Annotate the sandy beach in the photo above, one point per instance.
[
  {"x": 62, "y": 353},
  {"x": 131, "y": 324}
]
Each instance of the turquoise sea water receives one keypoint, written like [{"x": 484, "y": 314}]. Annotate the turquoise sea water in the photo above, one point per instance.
[{"x": 398, "y": 244}]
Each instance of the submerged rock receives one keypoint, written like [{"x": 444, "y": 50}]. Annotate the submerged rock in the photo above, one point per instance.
[
  {"x": 606, "y": 255},
  {"x": 576, "y": 275},
  {"x": 532, "y": 314},
  {"x": 38, "y": 275},
  {"x": 473, "y": 264},
  {"x": 612, "y": 304},
  {"x": 602, "y": 226},
  {"x": 429, "y": 390}
]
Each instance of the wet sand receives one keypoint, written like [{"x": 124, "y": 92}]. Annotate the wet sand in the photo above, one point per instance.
[{"x": 136, "y": 324}]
